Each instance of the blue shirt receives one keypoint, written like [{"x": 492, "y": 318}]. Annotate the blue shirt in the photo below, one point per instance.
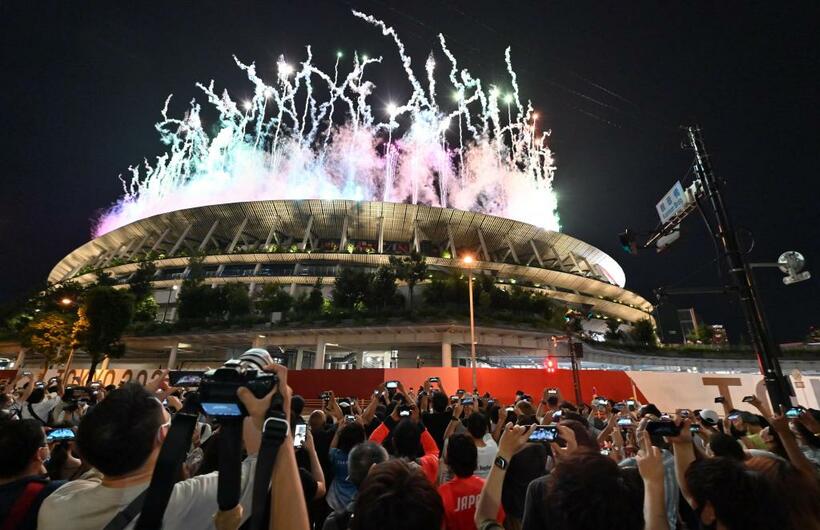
[
  {"x": 671, "y": 490},
  {"x": 341, "y": 490}
]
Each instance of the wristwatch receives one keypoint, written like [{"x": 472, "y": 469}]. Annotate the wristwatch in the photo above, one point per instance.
[{"x": 501, "y": 462}]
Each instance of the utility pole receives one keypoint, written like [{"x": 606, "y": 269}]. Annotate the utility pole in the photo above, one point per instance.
[{"x": 741, "y": 274}]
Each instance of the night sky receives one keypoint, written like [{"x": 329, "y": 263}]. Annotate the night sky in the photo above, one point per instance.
[{"x": 83, "y": 84}]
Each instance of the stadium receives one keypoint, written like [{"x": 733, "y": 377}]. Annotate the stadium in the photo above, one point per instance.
[{"x": 297, "y": 243}]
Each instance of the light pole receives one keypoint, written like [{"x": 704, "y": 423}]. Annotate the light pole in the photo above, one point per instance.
[
  {"x": 170, "y": 293},
  {"x": 469, "y": 263}
]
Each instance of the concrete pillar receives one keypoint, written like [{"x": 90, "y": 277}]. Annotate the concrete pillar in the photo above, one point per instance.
[
  {"x": 360, "y": 360},
  {"x": 446, "y": 353},
  {"x": 319, "y": 359},
  {"x": 21, "y": 358},
  {"x": 300, "y": 356},
  {"x": 104, "y": 364},
  {"x": 172, "y": 357},
  {"x": 386, "y": 363}
]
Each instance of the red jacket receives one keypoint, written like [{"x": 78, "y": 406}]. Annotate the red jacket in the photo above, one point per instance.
[{"x": 428, "y": 462}]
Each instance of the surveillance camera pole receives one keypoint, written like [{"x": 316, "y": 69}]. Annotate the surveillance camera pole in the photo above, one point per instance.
[{"x": 766, "y": 349}]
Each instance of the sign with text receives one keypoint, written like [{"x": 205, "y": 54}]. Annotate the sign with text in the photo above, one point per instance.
[{"x": 671, "y": 203}]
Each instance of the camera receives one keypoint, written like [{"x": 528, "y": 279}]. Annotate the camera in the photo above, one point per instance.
[
  {"x": 543, "y": 433},
  {"x": 663, "y": 428},
  {"x": 217, "y": 388}
]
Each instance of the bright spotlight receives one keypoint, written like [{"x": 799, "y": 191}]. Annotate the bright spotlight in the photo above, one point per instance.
[
  {"x": 508, "y": 99},
  {"x": 246, "y": 104},
  {"x": 339, "y": 54},
  {"x": 392, "y": 109},
  {"x": 285, "y": 69}
]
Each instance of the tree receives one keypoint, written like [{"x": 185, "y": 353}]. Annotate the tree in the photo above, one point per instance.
[
  {"x": 237, "y": 299},
  {"x": 643, "y": 332},
  {"x": 108, "y": 311},
  {"x": 350, "y": 288},
  {"x": 139, "y": 284},
  {"x": 146, "y": 310},
  {"x": 274, "y": 299},
  {"x": 382, "y": 288},
  {"x": 410, "y": 269},
  {"x": 49, "y": 334},
  {"x": 105, "y": 279},
  {"x": 701, "y": 335},
  {"x": 613, "y": 333}
]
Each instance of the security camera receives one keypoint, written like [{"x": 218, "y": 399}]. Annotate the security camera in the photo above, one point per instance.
[{"x": 791, "y": 263}]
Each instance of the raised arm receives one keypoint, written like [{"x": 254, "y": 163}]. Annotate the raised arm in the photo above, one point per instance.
[
  {"x": 315, "y": 467},
  {"x": 684, "y": 454},
  {"x": 781, "y": 426},
  {"x": 650, "y": 466},
  {"x": 512, "y": 440}
]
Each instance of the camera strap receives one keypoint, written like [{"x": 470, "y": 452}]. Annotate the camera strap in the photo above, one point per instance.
[
  {"x": 274, "y": 431},
  {"x": 230, "y": 463},
  {"x": 171, "y": 455}
]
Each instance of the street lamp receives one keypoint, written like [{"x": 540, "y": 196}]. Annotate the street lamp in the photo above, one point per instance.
[
  {"x": 66, "y": 301},
  {"x": 469, "y": 263},
  {"x": 170, "y": 294}
]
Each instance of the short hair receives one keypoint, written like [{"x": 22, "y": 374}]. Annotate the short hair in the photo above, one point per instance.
[
  {"x": 748, "y": 503},
  {"x": 526, "y": 408},
  {"x": 406, "y": 439},
  {"x": 19, "y": 442},
  {"x": 297, "y": 404},
  {"x": 439, "y": 401},
  {"x": 399, "y": 497},
  {"x": 117, "y": 435},
  {"x": 476, "y": 424},
  {"x": 462, "y": 455},
  {"x": 649, "y": 408},
  {"x": 585, "y": 476},
  {"x": 583, "y": 437},
  {"x": 350, "y": 434},
  {"x": 361, "y": 458},
  {"x": 726, "y": 446}
]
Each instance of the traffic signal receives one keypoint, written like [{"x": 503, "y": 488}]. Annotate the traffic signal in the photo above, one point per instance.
[
  {"x": 628, "y": 242},
  {"x": 550, "y": 364}
]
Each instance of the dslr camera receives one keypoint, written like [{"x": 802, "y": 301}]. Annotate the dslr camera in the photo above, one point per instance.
[{"x": 217, "y": 389}]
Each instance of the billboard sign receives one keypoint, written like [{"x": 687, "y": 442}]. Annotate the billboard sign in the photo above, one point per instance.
[{"x": 671, "y": 203}]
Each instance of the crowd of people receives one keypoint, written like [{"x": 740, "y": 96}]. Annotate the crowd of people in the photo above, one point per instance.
[{"x": 92, "y": 457}]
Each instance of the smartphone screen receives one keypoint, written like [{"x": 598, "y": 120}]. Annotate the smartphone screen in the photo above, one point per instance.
[
  {"x": 543, "y": 433},
  {"x": 434, "y": 379},
  {"x": 59, "y": 435},
  {"x": 552, "y": 391},
  {"x": 221, "y": 409},
  {"x": 391, "y": 384},
  {"x": 624, "y": 422},
  {"x": 186, "y": 378},
  {"x": 663, "y": 428},
  {"x": 794, "y": 412},
  {"x": 299, "y": 435},
  {"x": 748, "y": 399}
]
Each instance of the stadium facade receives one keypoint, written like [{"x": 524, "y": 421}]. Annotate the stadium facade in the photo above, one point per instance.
[{"x": 297, "y": 242}]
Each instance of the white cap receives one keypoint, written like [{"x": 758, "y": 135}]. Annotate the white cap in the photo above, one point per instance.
[{"x": 709, "y": 416}]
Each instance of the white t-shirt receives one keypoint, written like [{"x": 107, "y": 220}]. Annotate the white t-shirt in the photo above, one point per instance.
[
  {"x": 486, "y": 456},
  {"x": 87, "y": 504}
]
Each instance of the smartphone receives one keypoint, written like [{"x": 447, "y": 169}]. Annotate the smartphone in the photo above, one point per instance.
[
  {"x": 221, "y": 409},
  {"x": 684, "y": 413},
  {"x": 490, "y": 403},
  {"x": 543, "y": 433},
  {"x": 663, "y": 428},
  {"x": 299, "y": 435},
  {"x": 794, "y": 412},
  {"x": 392, "y": 385},
  {"x": 453, "y": 399},
  {"x": 552, "y": 391},
  {"x": 460, "y": 392},
  {"x": 733, "y": 416},
  {"x": 624, "y": 423},
  {"x": 60, "y": 435},
  {"x": 694, "y": 429},
  {"x": 510, "y": 409},
  {"x": 186, "y": 378},
  {"x": 95, "y": 385},
  {"x": 720, "y": 399},
  {"x": 618, "y": 407},
  {"x": 748, "y": 399},
  {"x": 467, "y": 401},
  {"x": 325, "y": 396},
  {"x": 433, "y": 379},
  {"x": 606, "y": 452},
  {"x": 350, "y": 418}
]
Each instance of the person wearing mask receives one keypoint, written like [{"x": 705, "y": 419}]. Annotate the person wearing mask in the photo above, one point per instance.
[
  {"x": 341, "y": 491},
  {"x": 361, "y": 459},
  {"x": 24, "y": 484},
  {"x": 460, "y": 494},
  {"x": 397, "y": 496},
  {"x": 121, "y": 437}
]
